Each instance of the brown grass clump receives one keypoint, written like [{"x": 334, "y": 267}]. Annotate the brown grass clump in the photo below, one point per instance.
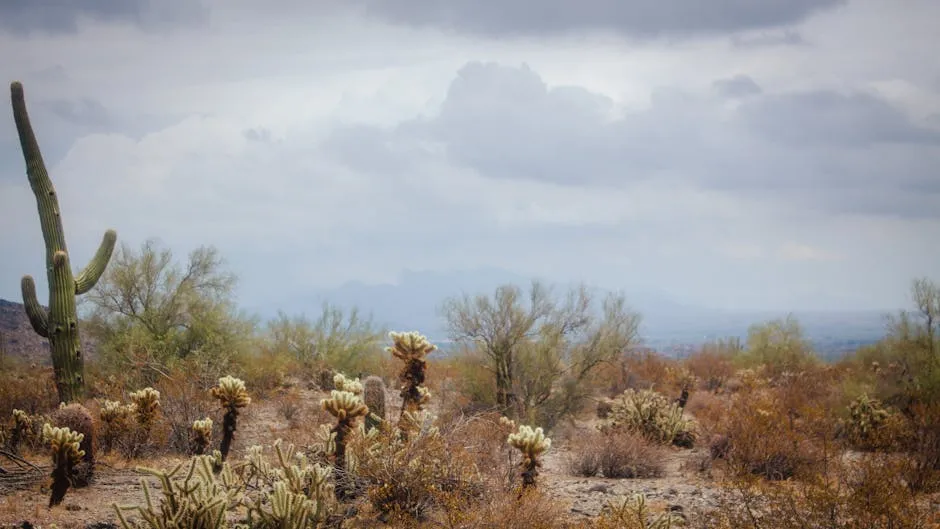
[{"x": 615, "y": 454}]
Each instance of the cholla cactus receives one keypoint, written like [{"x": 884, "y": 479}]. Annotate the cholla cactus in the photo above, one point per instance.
[
  {"x": 412, "y": 348},
  {"x": 201, "y": 436},
  {"x": 346, "y": 407},
  {"x": 351, "y": 385},
  {"x": 632, "y": 512},
  {"x": 867, "y": 415},
  {"x": 22, "y": 425},
  {"x": 232, "y": 395},
  {"x": 145, "y": 402},
  {"x": 532, "y": 443},
  {"x": 66, "y": 451},
  {"x": 650, "y": 414},
  {"x": 113, "y": 416},
  {"x": 198, "y": 501},
  {"x": 300, "y": 492}
]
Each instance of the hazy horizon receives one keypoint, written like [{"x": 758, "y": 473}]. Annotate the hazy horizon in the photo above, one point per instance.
[{"x": 770, "y": 157}]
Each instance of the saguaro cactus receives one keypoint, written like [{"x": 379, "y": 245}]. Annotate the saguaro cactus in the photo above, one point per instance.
[{"x": 60, "y": 324}]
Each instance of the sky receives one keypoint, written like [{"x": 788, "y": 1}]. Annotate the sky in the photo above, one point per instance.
[{"x": 773, "y": 155}]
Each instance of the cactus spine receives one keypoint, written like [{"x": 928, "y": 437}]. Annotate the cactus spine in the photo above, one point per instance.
[{"x": 60, "y": 323}]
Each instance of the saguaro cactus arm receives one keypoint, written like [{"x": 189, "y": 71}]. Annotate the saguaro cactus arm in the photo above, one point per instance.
[
  {"x": 34, "y": 311},
  {"x": 90, "y": 275}
]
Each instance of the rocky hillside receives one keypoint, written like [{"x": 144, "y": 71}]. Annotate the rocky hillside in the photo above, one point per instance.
[{"x": 18, "y": 340}]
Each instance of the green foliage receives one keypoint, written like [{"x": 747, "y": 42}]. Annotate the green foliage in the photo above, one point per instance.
[
  {"x": 149, "y": 313},
  {"x": 779, "y": 346},
  {"x": 59, "y": 324},
  {"x": 542, "y": 351},
  {"x": 649, "y": 414},
  {"x": 344, "y": 342}
]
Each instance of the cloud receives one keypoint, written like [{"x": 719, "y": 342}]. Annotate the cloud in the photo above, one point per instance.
[
  {"x": 314, "y": 147},
  {"x": 801, "y": 252},
  {"x": 640, "y": 18},
  {"x": 65, "y": 16},
  {"x": 822, "y": 149}
]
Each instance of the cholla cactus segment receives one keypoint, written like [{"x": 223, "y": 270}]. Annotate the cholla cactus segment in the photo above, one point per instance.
[
  {"x": 113, "y": 411},
  {"x": 231, "y": 393},
  {"x": 410, "y": 345},
  {"x": 531, "y": 442},
  {"x": 351, "y": 385},
  {"x": 145, "y": 402},
  {"x": 420, "y": 422},
  {"x": 65, "y": 443},
  {"x": 344, "y": 405},
  {"x": 203, "y": 427},
  {"x": 286, "y": 508},
  {"x": 21, "y": 420}
]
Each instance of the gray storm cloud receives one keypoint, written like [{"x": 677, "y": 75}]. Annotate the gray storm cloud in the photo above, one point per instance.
[
  {"x": 639, "y": 18},
  {"x": 839, "y": 152}
]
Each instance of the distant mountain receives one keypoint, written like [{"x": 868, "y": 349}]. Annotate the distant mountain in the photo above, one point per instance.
[{"x": 18, "y": 340}]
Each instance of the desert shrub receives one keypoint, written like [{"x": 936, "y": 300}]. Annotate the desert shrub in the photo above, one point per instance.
[
  {"x": 483, "y": 437},
  {"x": 408, "y": 477},
  {"x": 182, "y": 401},
  {"x": 26, "y": 387},
  {"x": 922, "y": 445},
  {"x": 713, "y": 364},
  {"x": 765, "y": 439},
  {"x": 532, "y": 509},
  {"x": 289, "y": 405},
  {"x": 476, "y": 389},
  {"x": 870, "y": 493},
  {"x": 649, "y": 414},
  {"x": 615, "y": 454},
  {"x": 636, "y": 369},
  {"x": 777, "y": 346}
]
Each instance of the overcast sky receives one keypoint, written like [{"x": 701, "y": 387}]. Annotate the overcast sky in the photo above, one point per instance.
[{"x": 782, "y": 154}]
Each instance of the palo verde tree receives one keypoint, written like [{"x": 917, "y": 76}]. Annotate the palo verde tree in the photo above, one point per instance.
[
  {"x": 60, "y": 323},
  {"x": 149, "y": 311},
  {"x": 542, "y": 350}
]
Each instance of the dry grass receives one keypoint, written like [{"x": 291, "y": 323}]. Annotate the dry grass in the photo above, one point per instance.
[{"x": 615, "y": 455}]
